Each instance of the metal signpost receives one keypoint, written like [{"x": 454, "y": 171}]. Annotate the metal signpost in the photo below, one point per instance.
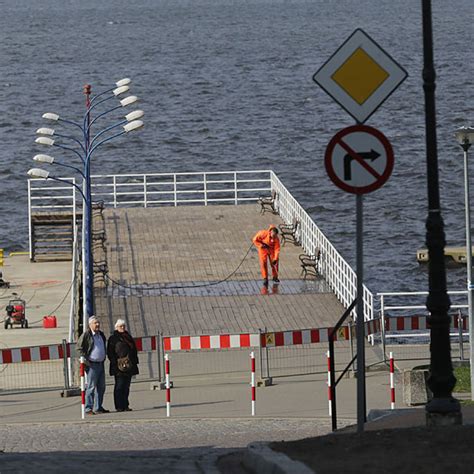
[{"x": 360, "y": 76}]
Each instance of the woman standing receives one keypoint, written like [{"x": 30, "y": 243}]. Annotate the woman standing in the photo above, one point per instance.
[{"x": 122, "y": 353}]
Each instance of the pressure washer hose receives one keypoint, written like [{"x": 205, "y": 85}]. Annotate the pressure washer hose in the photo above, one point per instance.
[{"x": 148, "y": 286}]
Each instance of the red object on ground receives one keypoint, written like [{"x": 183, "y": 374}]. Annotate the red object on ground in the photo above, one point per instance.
[{"x": 49, "y": 322}]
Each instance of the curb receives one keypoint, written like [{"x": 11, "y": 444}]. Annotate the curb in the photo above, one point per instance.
[{"x": 259, "y": 457}]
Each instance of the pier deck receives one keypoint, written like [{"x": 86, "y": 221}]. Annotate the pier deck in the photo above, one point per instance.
[{"x": 173, "y": 248}]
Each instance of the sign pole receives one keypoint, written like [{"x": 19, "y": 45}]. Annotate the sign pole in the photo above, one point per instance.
[{"x": 361, "y": 402}]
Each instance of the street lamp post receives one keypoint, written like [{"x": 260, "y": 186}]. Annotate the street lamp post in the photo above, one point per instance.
[
  {"x": 443, "y": 409},
  {"x": 87, "y": 146},
  {"x": 465, "y": 138}
]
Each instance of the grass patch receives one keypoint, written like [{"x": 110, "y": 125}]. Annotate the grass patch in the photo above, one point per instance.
[{"x": 463, "y": 379}]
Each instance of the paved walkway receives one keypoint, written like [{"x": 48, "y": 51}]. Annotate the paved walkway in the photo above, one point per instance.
[
  {"x": 153, "y": 252},
  {"x": 44, "y": 433},
  {"x": 45, "y": 286}
]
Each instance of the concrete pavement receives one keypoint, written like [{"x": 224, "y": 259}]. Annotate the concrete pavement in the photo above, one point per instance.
[{"x": 43, "y": 432}]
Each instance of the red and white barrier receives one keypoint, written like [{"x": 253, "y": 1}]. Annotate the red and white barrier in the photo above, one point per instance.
[
  {"x": 221, "y": 341},
  {"x": 33, "y": 354},
  {"x": 414, "y": 323},
  {"x": 146, "y": 344},
  {"x": 252, "y": 381},
  {"x": 329, "y": 383},
  {"x": 168, "y": 387},
  {"x": 82, "y": 373},
  {"x": 392, "y": 382}
]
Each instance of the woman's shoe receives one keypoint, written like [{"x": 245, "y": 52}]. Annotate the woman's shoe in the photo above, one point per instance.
[
  {"x": 120, "y": 409},
  {"x": 128, "y": 409}
]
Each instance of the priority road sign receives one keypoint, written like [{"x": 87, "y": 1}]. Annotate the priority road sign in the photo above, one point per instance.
[
  {"x": 359, "y": 159},
  {"x": 360, "y": 75}
]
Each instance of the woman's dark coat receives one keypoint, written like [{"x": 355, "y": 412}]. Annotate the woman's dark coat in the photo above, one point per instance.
[{"x": 121, "y": 344}]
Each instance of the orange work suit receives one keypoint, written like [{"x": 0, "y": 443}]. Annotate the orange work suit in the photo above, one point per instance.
[{"x": 268, "y": 248}]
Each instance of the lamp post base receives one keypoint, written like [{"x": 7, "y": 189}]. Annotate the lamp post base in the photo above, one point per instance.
[{"x": 443, "y": 412}]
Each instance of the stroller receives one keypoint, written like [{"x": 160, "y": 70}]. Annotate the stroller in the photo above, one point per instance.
[{"x": 16, "y": 314}]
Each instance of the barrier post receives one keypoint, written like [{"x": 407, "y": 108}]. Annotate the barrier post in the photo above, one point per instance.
[
  {"x": 159, "y": 343},
  {"x": 382, "y": 327},
  {"x": 67, "y": 384},
  {"x": 329, "y": 383},
  {"x": 168, "y": 388},
  {"x": 351, "y": 340},
  {"x": 1, "y": 257},
  {"x": 252, "y": 381},
  {"x": 83, "y": 387},
  {"x": 460, "y": 328},
  {"x": 392, "y": 383}
]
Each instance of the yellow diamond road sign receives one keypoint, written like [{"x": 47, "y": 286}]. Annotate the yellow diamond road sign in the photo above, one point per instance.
[{"x": 360, "y": 76}]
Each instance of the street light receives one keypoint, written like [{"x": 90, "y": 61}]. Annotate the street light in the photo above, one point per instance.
[
  {"x": 465, "y": 138},
  {"x": 88, "y": 145},
  {"x": 443, "y": 409}
]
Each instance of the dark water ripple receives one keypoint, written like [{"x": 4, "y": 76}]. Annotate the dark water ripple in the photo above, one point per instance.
[{"x": 226, "y": 84}]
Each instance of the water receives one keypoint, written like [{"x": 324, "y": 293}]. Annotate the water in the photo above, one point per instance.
[{"x": 227, "y": 85}]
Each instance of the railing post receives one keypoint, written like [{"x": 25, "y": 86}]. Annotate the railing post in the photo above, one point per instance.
[
  {"x": 235, "y": 189},
  {"x": 30, "y": 227},
  {"x": 144, "y": 191},
  {"x": 175, "y": 190},
  {"x": 115, "y": 191},
  {"x": 205, "y": 188}
]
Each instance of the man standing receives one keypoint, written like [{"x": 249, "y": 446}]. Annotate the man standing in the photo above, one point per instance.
[
  {"x": 91, "y": 345},
  {"x": 268, "y": 245}
]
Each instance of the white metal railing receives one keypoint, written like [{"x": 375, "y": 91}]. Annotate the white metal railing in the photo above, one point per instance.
[
  {"x": 231, "y": 187},
  {"x": 45, "y": 195},
  {"x": 460, "y": 297},
  {"x": 337, "y": 272},
  {"x": 157, "y": 189}
]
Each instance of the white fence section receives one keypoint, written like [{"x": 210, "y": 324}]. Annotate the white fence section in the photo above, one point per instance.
[
  {"x": 174, "y": 189},
  {"x": 337, "y": 272},
  {"x": 45, "y": 195},
  {"x": 232, "y": 187}
]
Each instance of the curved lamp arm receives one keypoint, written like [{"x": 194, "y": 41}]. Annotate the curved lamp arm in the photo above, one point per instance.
[
  {"x": 39, "y": 173},
  {"x": 51, "y": 142},
  {"x": 51, "y": 161},
  {"x": 130, "y": 127},
  {"x": 123, "y": 82}
]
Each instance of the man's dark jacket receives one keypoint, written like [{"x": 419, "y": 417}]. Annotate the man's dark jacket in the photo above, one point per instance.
[{"x": 85, "y": 343}]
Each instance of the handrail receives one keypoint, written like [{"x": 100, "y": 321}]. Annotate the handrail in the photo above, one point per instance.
[{"x": 337, "y": 272}]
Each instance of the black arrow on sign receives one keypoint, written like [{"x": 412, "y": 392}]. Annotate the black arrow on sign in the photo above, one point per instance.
[{"x": 371, "y": 155}]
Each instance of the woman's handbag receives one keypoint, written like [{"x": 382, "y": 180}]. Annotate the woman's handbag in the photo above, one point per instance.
[{"x": 124, "y": 364}]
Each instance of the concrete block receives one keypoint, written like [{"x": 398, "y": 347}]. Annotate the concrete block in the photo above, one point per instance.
[
  {"x": 157, "y": 385},
  {"x": 71, "y": 392},
  {"x": 265, "y": 382},
  {"x": 415, "y": 390}
]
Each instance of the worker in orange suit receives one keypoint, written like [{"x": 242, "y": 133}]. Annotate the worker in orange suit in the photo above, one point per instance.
[{"x": 268, "y": 245}]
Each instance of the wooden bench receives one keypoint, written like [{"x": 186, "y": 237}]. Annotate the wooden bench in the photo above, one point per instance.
[
  {"x": 268, "y": 203},
  {"x": 310, "y": 264},
  {"x": 289, "y": 232}
]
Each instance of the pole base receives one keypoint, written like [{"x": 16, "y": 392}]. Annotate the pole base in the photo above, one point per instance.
[
  {"x": 265, "y": 382},
  {"x": 159, "y": 385},
  {"x": 443, "y": 412}
]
